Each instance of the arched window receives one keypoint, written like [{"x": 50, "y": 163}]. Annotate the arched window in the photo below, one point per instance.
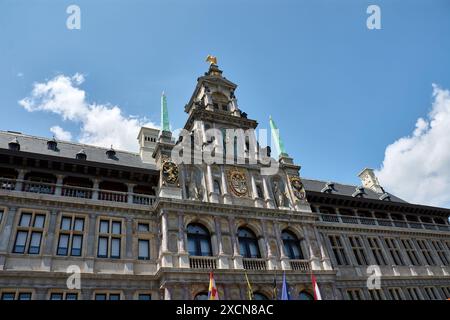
[
  {"x": 201, "y": 296},
  {"x": 259, "y": 296},
  {"x": 248, "y": 244},
  {"x": 199, "y": 241},
  {"x": 305, "y": 296},
  {"x": 291, "y": 245},
  {"x": 217, "y": 187}
]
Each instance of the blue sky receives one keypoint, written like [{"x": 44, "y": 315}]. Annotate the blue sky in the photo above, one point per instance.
[{"x": 339, "y": 93}]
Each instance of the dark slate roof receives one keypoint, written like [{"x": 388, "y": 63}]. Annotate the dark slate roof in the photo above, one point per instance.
[
  {"x": 347, "y": 190},
  {"x": 38, "y": 145}
]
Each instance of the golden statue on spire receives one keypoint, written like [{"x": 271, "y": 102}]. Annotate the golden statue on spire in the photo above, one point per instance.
[{"x": 211, "y": 59}]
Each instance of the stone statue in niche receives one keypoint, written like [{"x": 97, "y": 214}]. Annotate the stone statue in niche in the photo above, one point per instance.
[
  {"x": 195, "y": 190},
  {"x": 279, "y": 194}
]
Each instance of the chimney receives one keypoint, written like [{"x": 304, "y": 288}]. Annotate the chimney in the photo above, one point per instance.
[{"x": 369, "y": 180}]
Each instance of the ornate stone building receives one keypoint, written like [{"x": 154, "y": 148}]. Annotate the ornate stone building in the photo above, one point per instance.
[{"x": 144, "y": 226}]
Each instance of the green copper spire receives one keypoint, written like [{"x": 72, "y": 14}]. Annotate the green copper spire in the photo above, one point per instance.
[
  {"x": 164, "y": 114},
  {"x": 276, "y": 136}
]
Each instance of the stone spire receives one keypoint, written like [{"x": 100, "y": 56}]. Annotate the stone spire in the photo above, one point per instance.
[
  {"x": 164, "y": 114},
  {"x": 276, "y": 136}
]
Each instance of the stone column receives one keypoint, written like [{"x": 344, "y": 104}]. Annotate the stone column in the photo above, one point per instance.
[
  {"x": 20, "y": 178},
  {"x": 226, "y": 196},
  {"x": 223, "y": 259},
  {"x": 258, "y": 201},
  {"x": 267, "y": 194},
  {"x": 47, "y": 241},
  {"x": 91, "y": 249},
  {"x": 326, "y": 262},
  {"x": 95, "y": 188},
  {"x": 182, "y": 253},
  {"x": 129, "y": 245},
  {"x": 236, "y": 254},
  {"x": 285, "y": 265},
  {"x": 130, "y": 192},
  {"x": 212, "y": 195},
  {"x": 270, "y": 256},
  {"x": 59, "y": 183},
  {"x": 166, "y": 257}
]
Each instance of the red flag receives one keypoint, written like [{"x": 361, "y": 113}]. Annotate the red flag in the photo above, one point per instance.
[
  {"x": 213, "y": 294},
  {"x": 317, "y": 295}
]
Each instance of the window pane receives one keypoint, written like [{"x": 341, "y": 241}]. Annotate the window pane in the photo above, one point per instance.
[
  {"x": 39, "y": 221},
  {"x": 56, "y": 296},
  {"x": 24, "y": 296},
  {"x": 21, "y": 240},
  {"x": 144, "y": 250},
  {"x": 145, "y": 297},
  {"x": 104, "y": 226},
  {"x": 205, "y": 247},
  {"x": 8, "y": 296},
  {"x": 1, "y": 215},
  {"x": 76, "y": 245},
  {"x": 66, "y": 223},
  {"x": 25, "y": 220},
  {"x": 116, "y": 226},
  {"x": 192, "y": 248},
  {"x": 114, "y": 296},
  {"x": 35, "y": 243},
  {"x": 254, "y": 250},
  {"x": 115, "y": 248},
  {"x": 100, "y": 296},
  {"x": 78, "y": 224},
  {"x": 143, "y": 227},
  {"x": 71, "y": 296},
  {"x": 102, "y": 247},
  {"x": 63, "y": 245},
  {"x": 242, "y": 249}
]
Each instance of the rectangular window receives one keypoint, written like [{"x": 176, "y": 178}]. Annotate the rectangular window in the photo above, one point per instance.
[
  {"x": 64, "y": 296},
  {"x": 413, "y": 293},
  {"x": 410, "y": 251},
  {"x": 1, "y": 215},
  {"x": 143, "y": 227},
  {"x": 440, "y": 250},
  {"x": 29, "y": 233},
  {"x": 144, "y": 249},
  {"x": 107, "y": 296},
  {"x": 110, "y": 238},
  {"x": 145, "y": 296},
  {"x": 395, "y": 293},
  {"x": 394, "y": 251},
  {"x": 426, "y": 252},
  {"x": 377, "y": 252},
  {"x": 354, "y": 294},
  {"x": 16, "y": 295},
  {"x": 445, "y": 292},
  {"x": 338, "y": 250},
  {"x": 431, "y": 293},
  {"x": 358, "y": 250},
  {"x": 71, "y": 235}
]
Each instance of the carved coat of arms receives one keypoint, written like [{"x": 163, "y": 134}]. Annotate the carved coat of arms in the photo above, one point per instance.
[
  {"x": 170, "y": 172},
  {"x": 237, "y": 182},
  {"x": 297, "y": 187}
]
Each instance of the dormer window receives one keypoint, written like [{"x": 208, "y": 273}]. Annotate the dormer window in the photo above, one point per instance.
[
  {"x": 111, "y": 154},
  {"x": 52, "y": 145},
  {"x": 359, "y": 192},
  {"x": 81, "y": 155},
  {"x": 14, "y": 145}
]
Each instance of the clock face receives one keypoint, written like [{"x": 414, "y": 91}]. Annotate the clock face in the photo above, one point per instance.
[{"x": 238, "y": 183}]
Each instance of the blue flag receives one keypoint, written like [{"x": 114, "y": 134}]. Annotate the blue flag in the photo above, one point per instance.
[{"x": 284, "y": 289}]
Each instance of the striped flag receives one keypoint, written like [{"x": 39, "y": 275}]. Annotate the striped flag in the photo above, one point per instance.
[
  {"x": 249, "y": 288},
  {"x": 213, "y": 294},
  {"x": 284, "y": 289},
  {"x": 316, "y": 290}
]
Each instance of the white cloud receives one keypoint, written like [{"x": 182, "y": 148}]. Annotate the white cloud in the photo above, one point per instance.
[
  {"x": 417, "y": 167},
  {"x": 61, "y": 134},
  {"x": 100, "y": 124}
]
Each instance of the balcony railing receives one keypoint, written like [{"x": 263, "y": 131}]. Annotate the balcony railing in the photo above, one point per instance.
[
  {"x": 199, "y": 262},
  {"x": 254, "y": 264},
  {"x": 383, "y": 222},
  {"x": 300, "y": 265},
  {"x": 75, "y": 192}
]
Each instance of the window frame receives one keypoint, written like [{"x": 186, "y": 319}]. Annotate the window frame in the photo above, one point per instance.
[
  {"x": 340, "y": 255},
  {"x": 110, "y": 236},
  {"x": 71, "y": 233},
  {"x": 29, "y": 230},
  {"x": 358, "y": 250},
  {"x": 197, "y": 239},
  {"x": 247, "y": 241}
]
